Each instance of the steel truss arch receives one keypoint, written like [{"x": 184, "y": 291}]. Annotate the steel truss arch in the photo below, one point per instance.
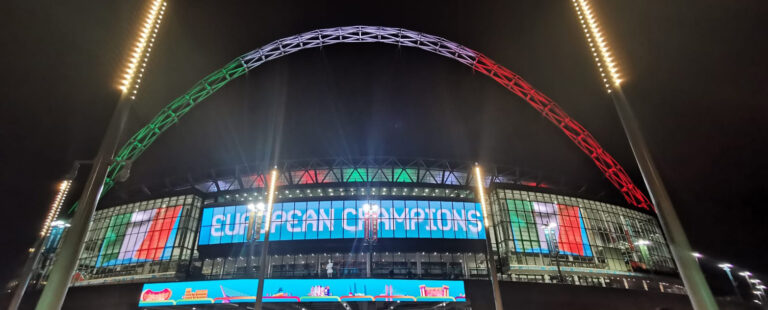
[{"x": 171, "y": 113}]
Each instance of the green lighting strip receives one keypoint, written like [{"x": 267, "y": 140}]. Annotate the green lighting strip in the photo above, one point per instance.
[{"x": 169, "y": 116}]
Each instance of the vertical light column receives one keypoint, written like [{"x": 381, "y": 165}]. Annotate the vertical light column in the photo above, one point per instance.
[
  {"x": 140, "y": 51},
  {"x": 490, "y": 258},
  {"x": 598, "y": 46},
  {"x": 36, "y": 250},
  {"x": 53, "y": 212},
  {"x": 265, "y": 246},
  {"x": 688, "y": 267},
  {"x": 67, "y": 257}
]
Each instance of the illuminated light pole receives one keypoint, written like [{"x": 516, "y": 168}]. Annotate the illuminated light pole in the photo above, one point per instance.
[
  {"x": 371, "y": 229},
  {"x": 254, "y": 226},
  {"x": 746, "y": 275},
  {"x": 65, "y": 262},
  {"x": 490, "y": 258},
  {"x": 53, "y": 213},
  {"x": 727, "y": 268},
  {"x": 760, "y": 292},
  {"x": 265, "y": 246},
  {"x": 139, "y": 56},
  {"x": 698, "y": 290},
  {"x": 697, "y": 255},
  {"x": 35, "y": 252}
]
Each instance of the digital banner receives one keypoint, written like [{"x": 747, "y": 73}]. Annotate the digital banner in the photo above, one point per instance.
[
  {"x": 341, "y": 219},
  {"x": 140, "y": 236},
  {"x": 539, "y": 226},
  {"x": 300, "y": 290}
]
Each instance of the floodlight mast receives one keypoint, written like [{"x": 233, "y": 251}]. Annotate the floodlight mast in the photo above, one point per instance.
[
  {"x": 33, "y": 260},
  {"x": 687, "y": 265},
  {"x": 490, "y": 258},
  {"x": 273, "y": 175},
  {"x": 65, "y": 262}
]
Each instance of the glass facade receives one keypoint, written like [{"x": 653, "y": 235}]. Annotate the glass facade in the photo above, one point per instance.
[
  {"x": 148, "y": 237},
  {"x": 408, "y": 265},
  {"x": 422, "y": 231},
  {"x": 539, "y": 229}
]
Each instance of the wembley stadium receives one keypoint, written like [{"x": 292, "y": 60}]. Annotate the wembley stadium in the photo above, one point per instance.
[
  {"x": 346, "y": 232},
  {"x": 379, "y": 230}
]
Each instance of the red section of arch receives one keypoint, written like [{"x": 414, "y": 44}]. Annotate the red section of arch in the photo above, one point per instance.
[{"x": 554, "y": 113}]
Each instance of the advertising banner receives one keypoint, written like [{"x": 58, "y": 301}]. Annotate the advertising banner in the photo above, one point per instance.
[
  {"x": 343, "y": 219},
  {"x": 301, "y": 290}
]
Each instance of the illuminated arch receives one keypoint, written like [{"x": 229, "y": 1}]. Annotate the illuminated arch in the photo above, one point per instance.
[{"x": 171, "y": 114}]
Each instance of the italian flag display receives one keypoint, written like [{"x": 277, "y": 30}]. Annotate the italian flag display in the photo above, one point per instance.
[
  {"x": 139, "y": 236},
  {"x": 539, "y": 226}
]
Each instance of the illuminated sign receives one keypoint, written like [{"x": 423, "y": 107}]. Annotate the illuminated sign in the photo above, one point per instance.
[
  {"x": 340, "y": 219},
  {"x": 52, "y": 243},
  {"x": 539, "y": 226},
  {"x": 140, "y": 236},
  {"x": 300, "y": 290}
]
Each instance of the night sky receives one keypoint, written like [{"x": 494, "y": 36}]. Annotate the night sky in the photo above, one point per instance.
[{"x": 695, "y": 75}]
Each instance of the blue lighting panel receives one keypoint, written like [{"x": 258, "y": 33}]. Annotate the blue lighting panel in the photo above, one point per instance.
[
  {"x": 300, "y": 290},
  {"x": 344, "y": 219}
]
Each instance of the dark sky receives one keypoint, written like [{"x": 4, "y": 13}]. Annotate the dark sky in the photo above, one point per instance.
[{"x": 695, "y": 77}]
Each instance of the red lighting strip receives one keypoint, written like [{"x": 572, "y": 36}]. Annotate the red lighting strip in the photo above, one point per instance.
[{"x": 580, "y": 136}]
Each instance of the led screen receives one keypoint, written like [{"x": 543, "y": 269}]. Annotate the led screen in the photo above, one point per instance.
[
  {"x": 300, "y": 290},
  {"x": 340, "y": 219},
  {"x": 139, "y": 236},
  {"x": 537, "y": 226}
]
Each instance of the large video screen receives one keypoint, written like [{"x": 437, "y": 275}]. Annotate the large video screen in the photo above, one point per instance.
[
  {"x": 537, "y": 226},
  {"x": 341, "y": 219},
  {"x": 139, "y": 236},
  {"x": 300, "y": 290}
]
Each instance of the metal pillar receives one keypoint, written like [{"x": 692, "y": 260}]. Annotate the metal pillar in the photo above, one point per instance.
[
  {"x": 262, "y": 269},
  {"x": 32, "y": 261},
  {"x": 26, "y": 274},
  {"x": 65, "y": 262},
  {"x": 695, "y": 283},
  {"x": 265, "y": 246},
  {"x": 489, "y": 257},
  {"x": 733, "y": 283}
]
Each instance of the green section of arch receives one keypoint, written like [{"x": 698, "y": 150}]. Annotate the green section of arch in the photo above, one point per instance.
[{"x": 169, "y": 116}]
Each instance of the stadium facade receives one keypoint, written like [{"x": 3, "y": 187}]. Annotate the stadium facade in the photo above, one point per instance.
[{"x": 375, "y": 230}]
